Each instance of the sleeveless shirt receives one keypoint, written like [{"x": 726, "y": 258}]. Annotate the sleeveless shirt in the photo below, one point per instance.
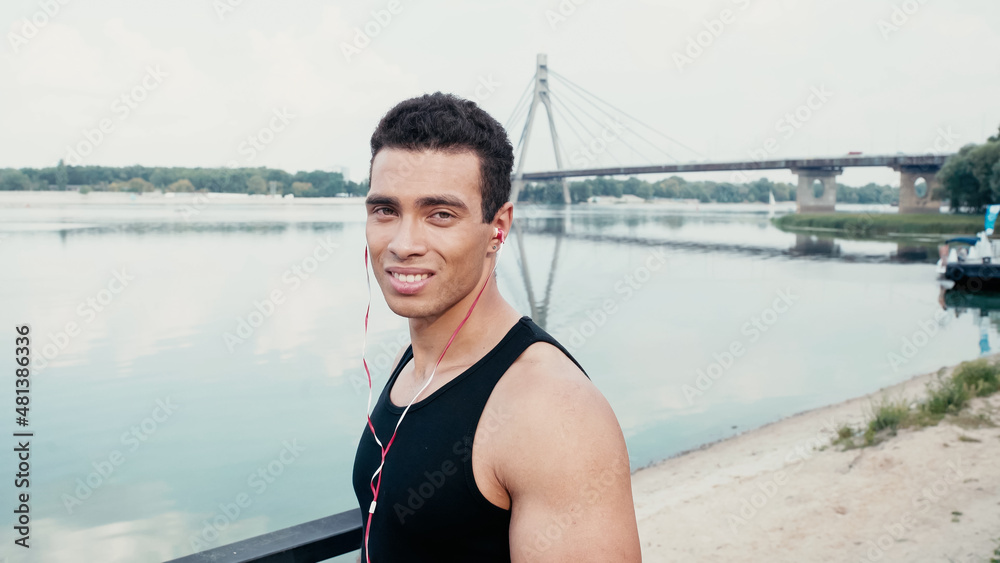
[{"x": 429, "y": 506}]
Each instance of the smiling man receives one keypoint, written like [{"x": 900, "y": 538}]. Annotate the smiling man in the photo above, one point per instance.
[{"x": 509, "y": 452}]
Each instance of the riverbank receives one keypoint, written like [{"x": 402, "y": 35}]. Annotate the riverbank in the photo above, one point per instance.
[
  {"x": 881, "y": 224},
  {"x": 28, "y": 198},
  {"x": 784, "y": 493}
]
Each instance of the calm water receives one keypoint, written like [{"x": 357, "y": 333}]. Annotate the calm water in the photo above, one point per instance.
[{"x": 169, "y": 407}]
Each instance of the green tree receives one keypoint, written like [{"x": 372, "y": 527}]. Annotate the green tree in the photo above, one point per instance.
[
  {"x": 62, "y": 177},
  {"x": 256, "y": 185},
  {"x": 726, "y": 193},
  {"x": 632, "y": 186},
  {"x": 183, "y": 185},
  {"x": 302, "y": 189},
  {"x": 14, "y": 180},
  {"x": 970, "y": 177},
  {"x": 580, "y": 192},
  {"x": 139, "y": 185},
  {"x": 160, "y": 177}
]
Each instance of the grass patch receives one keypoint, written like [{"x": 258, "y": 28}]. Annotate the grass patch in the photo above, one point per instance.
[
  {"x": 845, "y": 437},
  {"x": 886, "y": 418},
  {"x": 889, "y": 415},
  {"x": 945, "y": 397},
  {"x": 979, "y": 376},
  {"x": 881, "y": 224}
]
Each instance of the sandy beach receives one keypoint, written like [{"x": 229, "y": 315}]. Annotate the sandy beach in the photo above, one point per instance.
[{"x": 783, "y": 493}]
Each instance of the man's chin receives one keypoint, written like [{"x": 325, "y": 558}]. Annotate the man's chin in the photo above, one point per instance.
[{"x": 408, "y": 307}]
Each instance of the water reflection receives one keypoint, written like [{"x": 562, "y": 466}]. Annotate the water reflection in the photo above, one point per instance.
[
  {"x": 909, "y": 252},
  {"x": 178, "y": 228},
  {"x": 982, "y": 307},
  {"x": 551, "y": 225},
  {"x": 812, "y": 245}
]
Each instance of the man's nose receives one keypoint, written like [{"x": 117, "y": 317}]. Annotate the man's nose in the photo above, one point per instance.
[{"x": 407, "y": 240}]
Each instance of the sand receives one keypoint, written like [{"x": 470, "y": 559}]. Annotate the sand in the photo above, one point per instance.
[{"x": 783, "y": 493}]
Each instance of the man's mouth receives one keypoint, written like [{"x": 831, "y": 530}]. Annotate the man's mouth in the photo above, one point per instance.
[
  {"x": 409, "y": 283},
  {"x": 410, "y": 278}
]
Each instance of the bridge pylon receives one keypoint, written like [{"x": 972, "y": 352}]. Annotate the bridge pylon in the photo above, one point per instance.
[
  {"x": 817, "y": 189},
  {"x": 541, "y": 96},
  {"x": 916, "y": 196}
]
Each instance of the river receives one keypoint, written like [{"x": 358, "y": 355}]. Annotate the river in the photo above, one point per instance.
[{"x": 192, "y": 350}]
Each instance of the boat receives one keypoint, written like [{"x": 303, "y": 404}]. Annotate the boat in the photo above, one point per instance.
[{"x": 972, "y": 262}]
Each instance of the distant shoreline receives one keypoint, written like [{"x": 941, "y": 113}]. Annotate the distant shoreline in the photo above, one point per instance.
[
  {"x": 869, "y": 225},
  {"x": 158, "y": 198}
]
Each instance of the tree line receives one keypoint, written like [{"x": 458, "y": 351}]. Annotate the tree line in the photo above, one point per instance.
[
  {"x": 676, "y": 187},
  {"x": 146, "y": 179},
  {"x": 140, "y": 179},
  {"x": 970, "y": 179}
]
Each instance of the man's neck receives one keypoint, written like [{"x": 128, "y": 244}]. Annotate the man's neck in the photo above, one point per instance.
[{"x": 491, "y": 319}]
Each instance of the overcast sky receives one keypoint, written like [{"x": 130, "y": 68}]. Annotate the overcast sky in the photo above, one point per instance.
[{"x": 201, "y": 76}]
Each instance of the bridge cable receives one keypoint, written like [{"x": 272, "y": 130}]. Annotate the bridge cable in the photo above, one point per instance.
[
  {"x": 664, "y": 135},
  {"x": 558, "y": 139},
  {"x": 521, "y": 115},
  {"x": 624, "y": 142},
  {"x": 520, "y": 141},
  {"x": 510, "y": 120},
  {"x": 648, "y": 142},
  {"x": 570, "y": 123},
  {"x": 583, "y": 143},
  {"x": 579, "y": 90}
]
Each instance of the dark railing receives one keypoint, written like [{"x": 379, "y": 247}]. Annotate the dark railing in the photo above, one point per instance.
[{"x": 309, "y": 542}]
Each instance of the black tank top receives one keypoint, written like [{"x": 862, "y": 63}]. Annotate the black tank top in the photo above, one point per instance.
[{"x": 429, "y": 507}]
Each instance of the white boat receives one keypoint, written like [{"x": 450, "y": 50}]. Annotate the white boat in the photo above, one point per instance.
[{"x": 972, "y": 262}]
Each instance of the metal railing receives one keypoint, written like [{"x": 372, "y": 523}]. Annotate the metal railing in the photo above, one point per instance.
[{"x": 308, "y": 542}]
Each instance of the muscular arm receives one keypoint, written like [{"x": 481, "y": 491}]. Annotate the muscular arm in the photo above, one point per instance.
[{"x": 569, "y": 478}]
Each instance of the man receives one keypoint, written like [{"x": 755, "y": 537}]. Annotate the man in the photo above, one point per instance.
[{"x": 510, "y": 453}]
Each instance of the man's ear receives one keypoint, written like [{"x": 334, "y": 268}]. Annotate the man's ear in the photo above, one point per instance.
[{"x": 503, "y": 220}]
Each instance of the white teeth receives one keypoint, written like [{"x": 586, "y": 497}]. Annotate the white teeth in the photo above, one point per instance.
[{"x": 410, "y": 278}]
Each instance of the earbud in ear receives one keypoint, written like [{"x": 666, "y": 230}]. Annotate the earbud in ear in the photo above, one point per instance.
[{"x": 498, "y": 232}]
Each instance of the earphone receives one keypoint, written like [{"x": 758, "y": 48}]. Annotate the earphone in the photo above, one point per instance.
[{"x": 375, "y": 486}]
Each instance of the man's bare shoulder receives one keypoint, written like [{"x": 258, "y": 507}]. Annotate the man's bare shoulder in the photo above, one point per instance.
[
  {"x": 543, "y": 375},
  {"x": 563, "y": 461},
  {"x": 548, "y": 396}
]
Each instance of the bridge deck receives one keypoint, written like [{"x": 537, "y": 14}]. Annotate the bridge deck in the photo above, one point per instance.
[{"x": 891, "y": 161}]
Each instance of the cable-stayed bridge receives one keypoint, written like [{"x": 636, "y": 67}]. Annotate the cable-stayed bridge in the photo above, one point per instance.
[{"x": 604, "y": 131}]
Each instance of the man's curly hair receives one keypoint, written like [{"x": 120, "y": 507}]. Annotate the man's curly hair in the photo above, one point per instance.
[{"x": 448, "y": 123}]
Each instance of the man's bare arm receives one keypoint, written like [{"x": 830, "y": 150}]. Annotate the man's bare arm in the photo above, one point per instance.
[{"x": 569, "y": 478}]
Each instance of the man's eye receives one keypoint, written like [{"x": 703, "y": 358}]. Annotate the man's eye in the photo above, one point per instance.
[
  {"x": 445, "y": 214},
  {"x": 377, "y": 209}
]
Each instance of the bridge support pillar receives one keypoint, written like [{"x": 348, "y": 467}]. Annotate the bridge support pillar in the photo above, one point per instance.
[
  {"x": 542, "y": 96},
  {"x": 813, "y": 181},
  {"x": 917, "y": 187}
]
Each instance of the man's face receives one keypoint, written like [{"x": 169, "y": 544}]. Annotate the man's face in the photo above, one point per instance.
[{"x": 425, "y": 232}]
